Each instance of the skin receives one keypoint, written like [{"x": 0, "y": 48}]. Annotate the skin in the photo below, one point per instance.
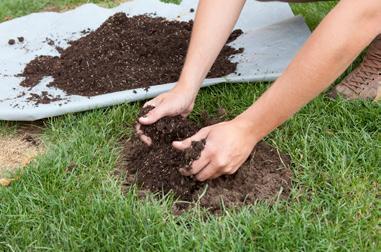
[{"x": 336, "y": 42}]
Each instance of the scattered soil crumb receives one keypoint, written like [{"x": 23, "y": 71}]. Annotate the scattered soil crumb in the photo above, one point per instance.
[
  {"x": 30, "y": 139},
  {"x": 50, "y": 41},
  {"x": 266, "y": 175},
  {"x": 21, "y": 39},
  {"x": 60, "y": 49},
  {"x": 191, "y": 10},
  {"x": 86, "y": 31},
  {"x": 7, "y": 18},
  {"x": 11, "y": 42},
  {"x": 112, "y": 58},
  {"x": 43, "y": 98},
  {"x": 51, "y": 8},
  {"x": 71, "y": 167}
]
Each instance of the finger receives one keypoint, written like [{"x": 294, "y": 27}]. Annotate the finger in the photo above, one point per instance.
[
  {"x": 138, "y": 129},
  {"x": 220, "y": 172},
  {"x": 197, "y": 165},
  {"x": 200, "y": 163},
  {"x": 208, "y": 172},
  {"x": 216, "y": 175},
  {"x": 153, "y": 116},
  {"x": 154, "y": 102},
  {"x": 187, "y": 143},
  {"x": 145, "y": 139},
  {"x": 186, "y": 113}
]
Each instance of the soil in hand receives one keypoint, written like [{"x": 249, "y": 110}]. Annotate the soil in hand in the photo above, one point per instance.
[
  {"x": 124, "y": 53},
  {"x": 266, "y": 175}
]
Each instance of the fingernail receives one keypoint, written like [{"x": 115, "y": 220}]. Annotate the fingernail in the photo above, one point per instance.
[{"x": 143, "y": 118}]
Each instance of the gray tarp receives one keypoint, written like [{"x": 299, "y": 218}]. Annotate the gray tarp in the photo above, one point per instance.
[{"x": 272, "y": 37}]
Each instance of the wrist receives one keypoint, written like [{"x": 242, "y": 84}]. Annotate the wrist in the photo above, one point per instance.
[
  {"x": 186, "y": 87},
  {"x": 190, "y": 79},
  {"x": 247, "y": 126}
]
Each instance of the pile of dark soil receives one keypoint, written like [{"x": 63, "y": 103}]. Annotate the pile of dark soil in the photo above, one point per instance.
[
  {"x": 266, "y": 175},
  {"x": 124, "y": 53}
]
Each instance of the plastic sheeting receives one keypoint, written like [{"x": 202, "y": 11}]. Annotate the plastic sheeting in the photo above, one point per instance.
[{"x": 272, "y": 36}]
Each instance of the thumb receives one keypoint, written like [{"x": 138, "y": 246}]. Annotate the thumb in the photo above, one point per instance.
[
  {"x": 187, "y": 143},
  {"x": 153, "y": 116}
]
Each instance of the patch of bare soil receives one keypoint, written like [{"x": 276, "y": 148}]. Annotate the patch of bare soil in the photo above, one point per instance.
[{"x": 19, "y": 149}]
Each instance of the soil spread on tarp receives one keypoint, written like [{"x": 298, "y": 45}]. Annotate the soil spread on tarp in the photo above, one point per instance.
[
  {"x": 124, "y": 53},
  {"x": 266, "y": 175}
]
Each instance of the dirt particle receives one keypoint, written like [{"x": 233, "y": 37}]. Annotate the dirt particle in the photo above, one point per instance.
[
  {"x": 85, "y": 31},
  {"x": 21, "y": 39},
  {"x": 50, "y": 41},
  {"x": 30, "y": 139},
  {"x": 191, "y": 10},
  {"x": 11, "y": 42},
  {"x": 7, "y": 18},
  {"x": 60, "y": 50},
  {"x": 71, "y": 167}
]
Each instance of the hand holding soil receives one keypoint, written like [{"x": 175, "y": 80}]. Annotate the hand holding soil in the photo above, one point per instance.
[
  {"x": 178, "y": 101},
  {"x": 224, "y": 147},
  {"x": 227, "y": 144},
  {"x": 227, "y": 147}
]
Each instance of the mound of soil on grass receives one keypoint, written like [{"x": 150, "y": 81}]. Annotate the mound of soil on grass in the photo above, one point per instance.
[
  {"x": 124, "y": 53},
  {"x": 266, "y": 175}
]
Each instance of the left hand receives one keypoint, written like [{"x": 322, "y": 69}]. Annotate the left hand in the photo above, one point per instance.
[{"x": 228, "y": 145}]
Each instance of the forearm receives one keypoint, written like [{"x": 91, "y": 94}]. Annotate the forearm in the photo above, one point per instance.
[
  {"x": 344, "y": 33},
  {"x": 213, "y": 24}
]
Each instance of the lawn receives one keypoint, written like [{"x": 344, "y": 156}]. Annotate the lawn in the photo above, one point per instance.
[{"x": 335, "y": 203}]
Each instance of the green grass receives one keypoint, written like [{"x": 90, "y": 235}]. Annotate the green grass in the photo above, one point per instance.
[
  {"x": 313, "y": 12},
  {"x": 335, "y": 201}
]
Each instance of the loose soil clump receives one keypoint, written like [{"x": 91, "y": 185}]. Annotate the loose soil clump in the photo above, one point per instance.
[
  {"x": 43, "y": 98},
  {"x": 124, "y": 53},
  {"x": 266, "y": 174}
]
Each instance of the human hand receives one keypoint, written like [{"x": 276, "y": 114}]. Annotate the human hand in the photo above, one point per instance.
[
  {"x": 178, "y": 101},
  {"x": 228, "y": 145}
]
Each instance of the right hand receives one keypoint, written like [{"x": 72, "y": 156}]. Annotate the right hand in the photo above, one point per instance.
[{"x": 178, "y": 101}]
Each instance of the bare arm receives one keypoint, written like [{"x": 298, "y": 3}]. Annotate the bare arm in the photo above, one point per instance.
[
  {"x": 337, "y": 41},
  {"x": 213, "y": 24}
]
